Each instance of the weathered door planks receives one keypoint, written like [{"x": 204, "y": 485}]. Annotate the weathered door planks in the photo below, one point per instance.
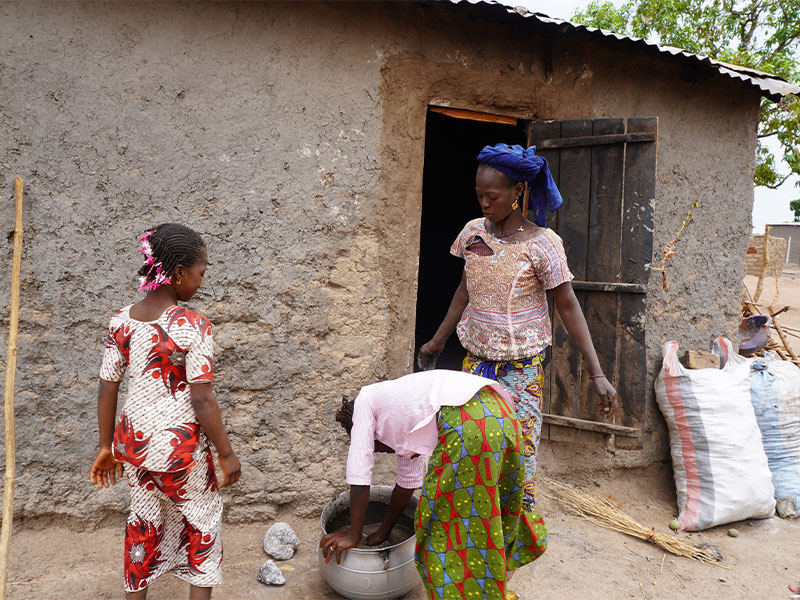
[
  {"x": 606, "y": 224},
  {"x": 637, "y": 252}
]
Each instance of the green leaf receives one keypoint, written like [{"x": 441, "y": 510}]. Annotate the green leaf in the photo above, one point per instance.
[{"x": 758, "y": 34}]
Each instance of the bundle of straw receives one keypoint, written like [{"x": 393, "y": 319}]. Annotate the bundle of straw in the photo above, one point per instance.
[{"x": 605, "y": 513}]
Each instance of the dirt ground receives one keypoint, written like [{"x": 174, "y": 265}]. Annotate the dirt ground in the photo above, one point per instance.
[
  {"x": 64, "y": 560},
  {"x": 788, "y": 294},
  {"x": 582, "y": 561}
]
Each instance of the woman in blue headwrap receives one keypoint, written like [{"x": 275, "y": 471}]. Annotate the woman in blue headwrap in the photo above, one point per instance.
[{"x": 500, "y": 308}]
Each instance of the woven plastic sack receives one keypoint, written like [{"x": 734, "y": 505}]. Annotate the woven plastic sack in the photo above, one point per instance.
[
  {"x": 721, "y": 471},
  {"x": 775, "y": 394}
]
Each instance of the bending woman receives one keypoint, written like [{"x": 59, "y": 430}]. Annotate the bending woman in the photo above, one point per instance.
[
  {"x": 500, "y": 308},
  {"x": 470, "y": 525}
]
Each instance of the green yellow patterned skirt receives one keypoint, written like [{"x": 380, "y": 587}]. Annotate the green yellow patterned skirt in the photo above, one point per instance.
[{"x": 470, "y": 525}]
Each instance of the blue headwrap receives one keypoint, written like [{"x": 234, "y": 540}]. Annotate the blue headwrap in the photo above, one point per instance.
[{"x": 522, "y": 164}]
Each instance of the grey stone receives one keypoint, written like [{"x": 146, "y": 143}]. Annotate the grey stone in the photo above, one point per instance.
[
  {"x": 270, "y": 574},
  {"x": 281, "y": 541},
  {"x": 787, "y": 508}
]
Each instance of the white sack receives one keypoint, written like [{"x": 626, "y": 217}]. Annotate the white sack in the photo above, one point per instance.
[{"x": 721, "y": 471}]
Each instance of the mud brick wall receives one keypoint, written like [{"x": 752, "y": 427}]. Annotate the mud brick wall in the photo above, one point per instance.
[
  {"x": 776, "y": 255},
  {"x": 292, "y": 136}
]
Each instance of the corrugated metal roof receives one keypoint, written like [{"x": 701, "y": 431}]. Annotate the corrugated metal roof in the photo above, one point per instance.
[{"x": 771, "y": 86}]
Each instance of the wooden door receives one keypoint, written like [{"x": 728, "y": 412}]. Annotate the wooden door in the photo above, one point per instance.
[{"x": 606, "y": 172}]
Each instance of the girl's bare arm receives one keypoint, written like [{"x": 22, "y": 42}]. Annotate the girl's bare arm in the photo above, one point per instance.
[
  {"x": 206, "y": 409},
  {"x": 105, "y": 469}
]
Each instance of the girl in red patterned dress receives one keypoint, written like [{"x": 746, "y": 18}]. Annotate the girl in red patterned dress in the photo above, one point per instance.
[{"x": 161, "y": 438}]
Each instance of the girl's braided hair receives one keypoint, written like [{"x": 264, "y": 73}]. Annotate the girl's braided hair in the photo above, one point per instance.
[
  {"x": 172, "y": 244},
  {"x": 345, "y": 414}
]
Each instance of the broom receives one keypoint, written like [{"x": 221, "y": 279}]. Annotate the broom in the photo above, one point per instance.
[
  {"x": 605, "y": 513},
  {"x": 8, "y": 395}
]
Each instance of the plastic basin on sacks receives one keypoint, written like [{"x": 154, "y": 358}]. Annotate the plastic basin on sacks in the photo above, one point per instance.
[
  {"x": 754, "y": 333},
  {"x": 381, "y": 572}
]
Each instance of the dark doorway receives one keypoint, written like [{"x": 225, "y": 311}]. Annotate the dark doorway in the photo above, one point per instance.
[{"x": 448, "y": 202}]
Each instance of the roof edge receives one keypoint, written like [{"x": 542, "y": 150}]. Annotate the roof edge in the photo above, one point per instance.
[{"x": 770, "y": 86}]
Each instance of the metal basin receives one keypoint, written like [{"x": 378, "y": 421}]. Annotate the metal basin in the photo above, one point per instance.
[{"x": 380, "y": 573}]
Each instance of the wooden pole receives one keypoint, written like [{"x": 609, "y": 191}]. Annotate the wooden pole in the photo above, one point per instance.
[
  {"x": 764, "y": 263},
  {"x": 8, "y": 394},
  {"x": 783, "y": 338}
]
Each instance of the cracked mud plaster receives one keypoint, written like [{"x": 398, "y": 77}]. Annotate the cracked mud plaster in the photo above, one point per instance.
[{"x": 301, "y": 164}]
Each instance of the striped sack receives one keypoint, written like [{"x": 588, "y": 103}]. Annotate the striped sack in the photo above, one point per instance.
[
  {"x": 775, "y": 394},
  {"x": 721, "y": 471}
]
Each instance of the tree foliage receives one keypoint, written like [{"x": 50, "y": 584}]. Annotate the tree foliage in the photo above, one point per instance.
[{"x": 758, "y": 34}]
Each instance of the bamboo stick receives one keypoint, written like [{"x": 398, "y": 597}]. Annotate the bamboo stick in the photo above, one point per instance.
[
  {"x": 8, "y": 394},
  {"x": 764, "y": 262},
  {"x": 783, "y": 338}
]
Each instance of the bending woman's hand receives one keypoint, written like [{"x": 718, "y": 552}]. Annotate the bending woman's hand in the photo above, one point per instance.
[
  {"x": 337, "y": 542},
  {"x": 607, "y": 403},
  {"x": 377, "y": 537},
  {"x": 105, "y": 469}
]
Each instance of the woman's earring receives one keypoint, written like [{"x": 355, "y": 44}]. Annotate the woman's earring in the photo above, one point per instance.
[
  {"x": 179, "y": 281},
  {"x": 515, "y": 206}
]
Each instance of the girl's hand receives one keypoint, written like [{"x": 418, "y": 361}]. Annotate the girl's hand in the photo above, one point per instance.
[
  {"x": 428, "y": 354},
  {"x": 105, "y": 469},
  {"x": 231, "y": 469},
  {"x": 337, "y": 542},
  {"x": 608, "y": 396}
]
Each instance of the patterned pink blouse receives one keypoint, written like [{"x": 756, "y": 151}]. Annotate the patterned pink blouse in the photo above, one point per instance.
[
  {"x": 157, "y": 428},
  {"x": 507, "y": 316}
]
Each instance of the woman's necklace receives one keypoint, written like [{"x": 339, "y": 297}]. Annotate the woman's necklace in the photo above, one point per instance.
[{"x": 500, "y": 237}]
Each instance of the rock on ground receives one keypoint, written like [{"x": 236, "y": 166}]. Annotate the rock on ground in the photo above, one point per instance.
[
  {"x": 270, "y": 574},
  {"x": 281, "y": 541},
  {"x": 786, "y": 508}
]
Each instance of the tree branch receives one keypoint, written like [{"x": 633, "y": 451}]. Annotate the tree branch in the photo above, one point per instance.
[
  {"x": 779, "y": 184},
  {"x": 786, "y": 42}
]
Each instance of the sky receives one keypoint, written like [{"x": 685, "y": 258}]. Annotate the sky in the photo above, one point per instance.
[{"x": 770, "y": 206}]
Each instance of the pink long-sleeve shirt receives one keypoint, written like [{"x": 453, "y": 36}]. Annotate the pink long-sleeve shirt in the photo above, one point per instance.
[{"x": 401, "y": 413}]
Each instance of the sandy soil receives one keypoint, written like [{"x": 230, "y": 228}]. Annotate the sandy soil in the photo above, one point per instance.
[
  {"x": 64, "y": 560},
  {"x": 582, "y": 561},
  {"x": 788, "y": 294}
]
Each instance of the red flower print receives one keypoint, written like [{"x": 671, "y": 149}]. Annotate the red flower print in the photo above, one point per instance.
[
  {"x": 170, "y": 484},
  {"x": 167, "y": 360},
  {"x": 211, "y": 474},
  {"x": 129, "y": 445},
  {"x": 207, "y": 371},
  {"x": 198, "y": 546},
  {"x": 142, "y": 556},
  {"x": 182, "y": 316},
  {"x": 183, "y": 445},
  {"x": 121, "y": 338}
]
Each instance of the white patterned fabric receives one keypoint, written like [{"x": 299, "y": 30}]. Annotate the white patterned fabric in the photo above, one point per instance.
[
  {"x": 507, "y": 317},
  {"x": 176, "y": 510},
  {"x": 175, "y": 525},
  {"x": 157, "y": 429}
]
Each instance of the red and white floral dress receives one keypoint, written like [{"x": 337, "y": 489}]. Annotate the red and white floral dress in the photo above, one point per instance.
[{"x": 176, "y": 510}]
